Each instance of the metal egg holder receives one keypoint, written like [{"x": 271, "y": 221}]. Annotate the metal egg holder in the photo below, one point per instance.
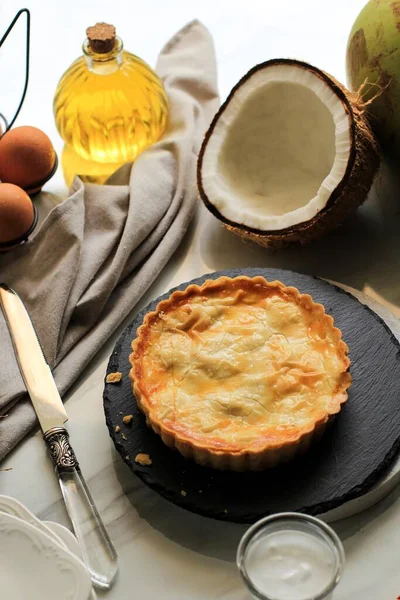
[{"x": 36, "y": 186}]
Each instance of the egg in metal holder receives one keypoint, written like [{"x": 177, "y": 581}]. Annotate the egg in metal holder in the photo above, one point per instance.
[
  {"x": 27, "y": 158},
  {"x": 36, "y": 187},
  {"x": 18, "y": 216}
]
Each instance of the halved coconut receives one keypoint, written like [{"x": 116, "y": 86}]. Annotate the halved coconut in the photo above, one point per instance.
[{"x": 288, "y": 156}]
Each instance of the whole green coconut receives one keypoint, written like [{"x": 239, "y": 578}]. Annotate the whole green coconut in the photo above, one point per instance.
[{"x": 373, "y": 54}]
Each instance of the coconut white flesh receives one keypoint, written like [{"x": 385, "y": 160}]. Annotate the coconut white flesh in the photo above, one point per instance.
[{"x": 278, "y": 150}]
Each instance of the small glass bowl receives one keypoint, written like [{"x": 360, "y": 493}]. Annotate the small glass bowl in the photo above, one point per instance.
[{"x": 292, "y": 522}]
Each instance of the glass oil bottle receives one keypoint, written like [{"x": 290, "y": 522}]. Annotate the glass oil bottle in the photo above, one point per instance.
[{"x": 109, "y": 106}]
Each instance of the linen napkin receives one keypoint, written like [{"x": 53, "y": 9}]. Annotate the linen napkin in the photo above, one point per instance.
[{"x": 97, "y": 253}]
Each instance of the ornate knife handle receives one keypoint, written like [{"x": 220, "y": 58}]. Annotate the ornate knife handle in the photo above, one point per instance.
[
  {"x": 98, "y": 552},
  {"x": 61, "y": 452}
]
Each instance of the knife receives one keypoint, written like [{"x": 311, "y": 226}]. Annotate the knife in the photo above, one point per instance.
[{"x": 97, "y": 549}]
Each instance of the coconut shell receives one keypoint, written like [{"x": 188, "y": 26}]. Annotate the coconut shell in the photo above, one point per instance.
[{"x": 362, "y": 167}]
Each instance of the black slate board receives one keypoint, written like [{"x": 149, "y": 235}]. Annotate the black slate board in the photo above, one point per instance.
[{"x": 350, "y": 458}]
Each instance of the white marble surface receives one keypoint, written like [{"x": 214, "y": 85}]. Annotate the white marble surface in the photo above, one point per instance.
[{"x": 164, "y": 551}]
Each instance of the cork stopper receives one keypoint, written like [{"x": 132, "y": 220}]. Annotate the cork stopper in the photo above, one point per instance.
[{"x": 101, "y": 37}]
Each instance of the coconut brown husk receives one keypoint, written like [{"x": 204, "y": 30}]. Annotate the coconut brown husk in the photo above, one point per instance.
[{"x": 362, "y": 167}]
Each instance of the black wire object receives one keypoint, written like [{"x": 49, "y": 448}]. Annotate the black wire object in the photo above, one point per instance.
[{"x": 7, "y": 125}]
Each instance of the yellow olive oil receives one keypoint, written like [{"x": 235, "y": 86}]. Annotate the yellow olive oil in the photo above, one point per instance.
[{"x": 109, "y": 105}]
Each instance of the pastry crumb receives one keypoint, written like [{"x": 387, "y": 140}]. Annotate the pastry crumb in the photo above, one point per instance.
[
  {"x": 183, "y": 493},
  {"x": 124, "y": 437},
  {"x": 117, "y": 429},
  {"x": 127, "y": 419},
  {"x": 143, "y": 459},
  {"x": 114, "y": 377},
  {"x": 127, "y": 457}
]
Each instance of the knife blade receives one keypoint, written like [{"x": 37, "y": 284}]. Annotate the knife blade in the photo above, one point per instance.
[
  {"x": 35, "y": 371},
  {"x": 98, "y": 552}
]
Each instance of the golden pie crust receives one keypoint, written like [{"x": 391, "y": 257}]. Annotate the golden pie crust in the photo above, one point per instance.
[{"x": 239, "y": 373}]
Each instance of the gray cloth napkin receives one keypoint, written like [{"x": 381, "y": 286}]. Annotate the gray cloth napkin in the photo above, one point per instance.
[{"x": 97, "y": 253}]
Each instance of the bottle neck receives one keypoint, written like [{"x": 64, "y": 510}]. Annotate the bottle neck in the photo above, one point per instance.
[{"x": 106, "y": 63}]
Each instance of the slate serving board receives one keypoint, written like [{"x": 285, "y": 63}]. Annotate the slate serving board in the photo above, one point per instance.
[{"x": 350, "y": 458}]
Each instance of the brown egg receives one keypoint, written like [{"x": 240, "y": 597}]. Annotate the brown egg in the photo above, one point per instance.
[
  {"x": 27, "y": 158},
  {"x": 17, "y": 214}
]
